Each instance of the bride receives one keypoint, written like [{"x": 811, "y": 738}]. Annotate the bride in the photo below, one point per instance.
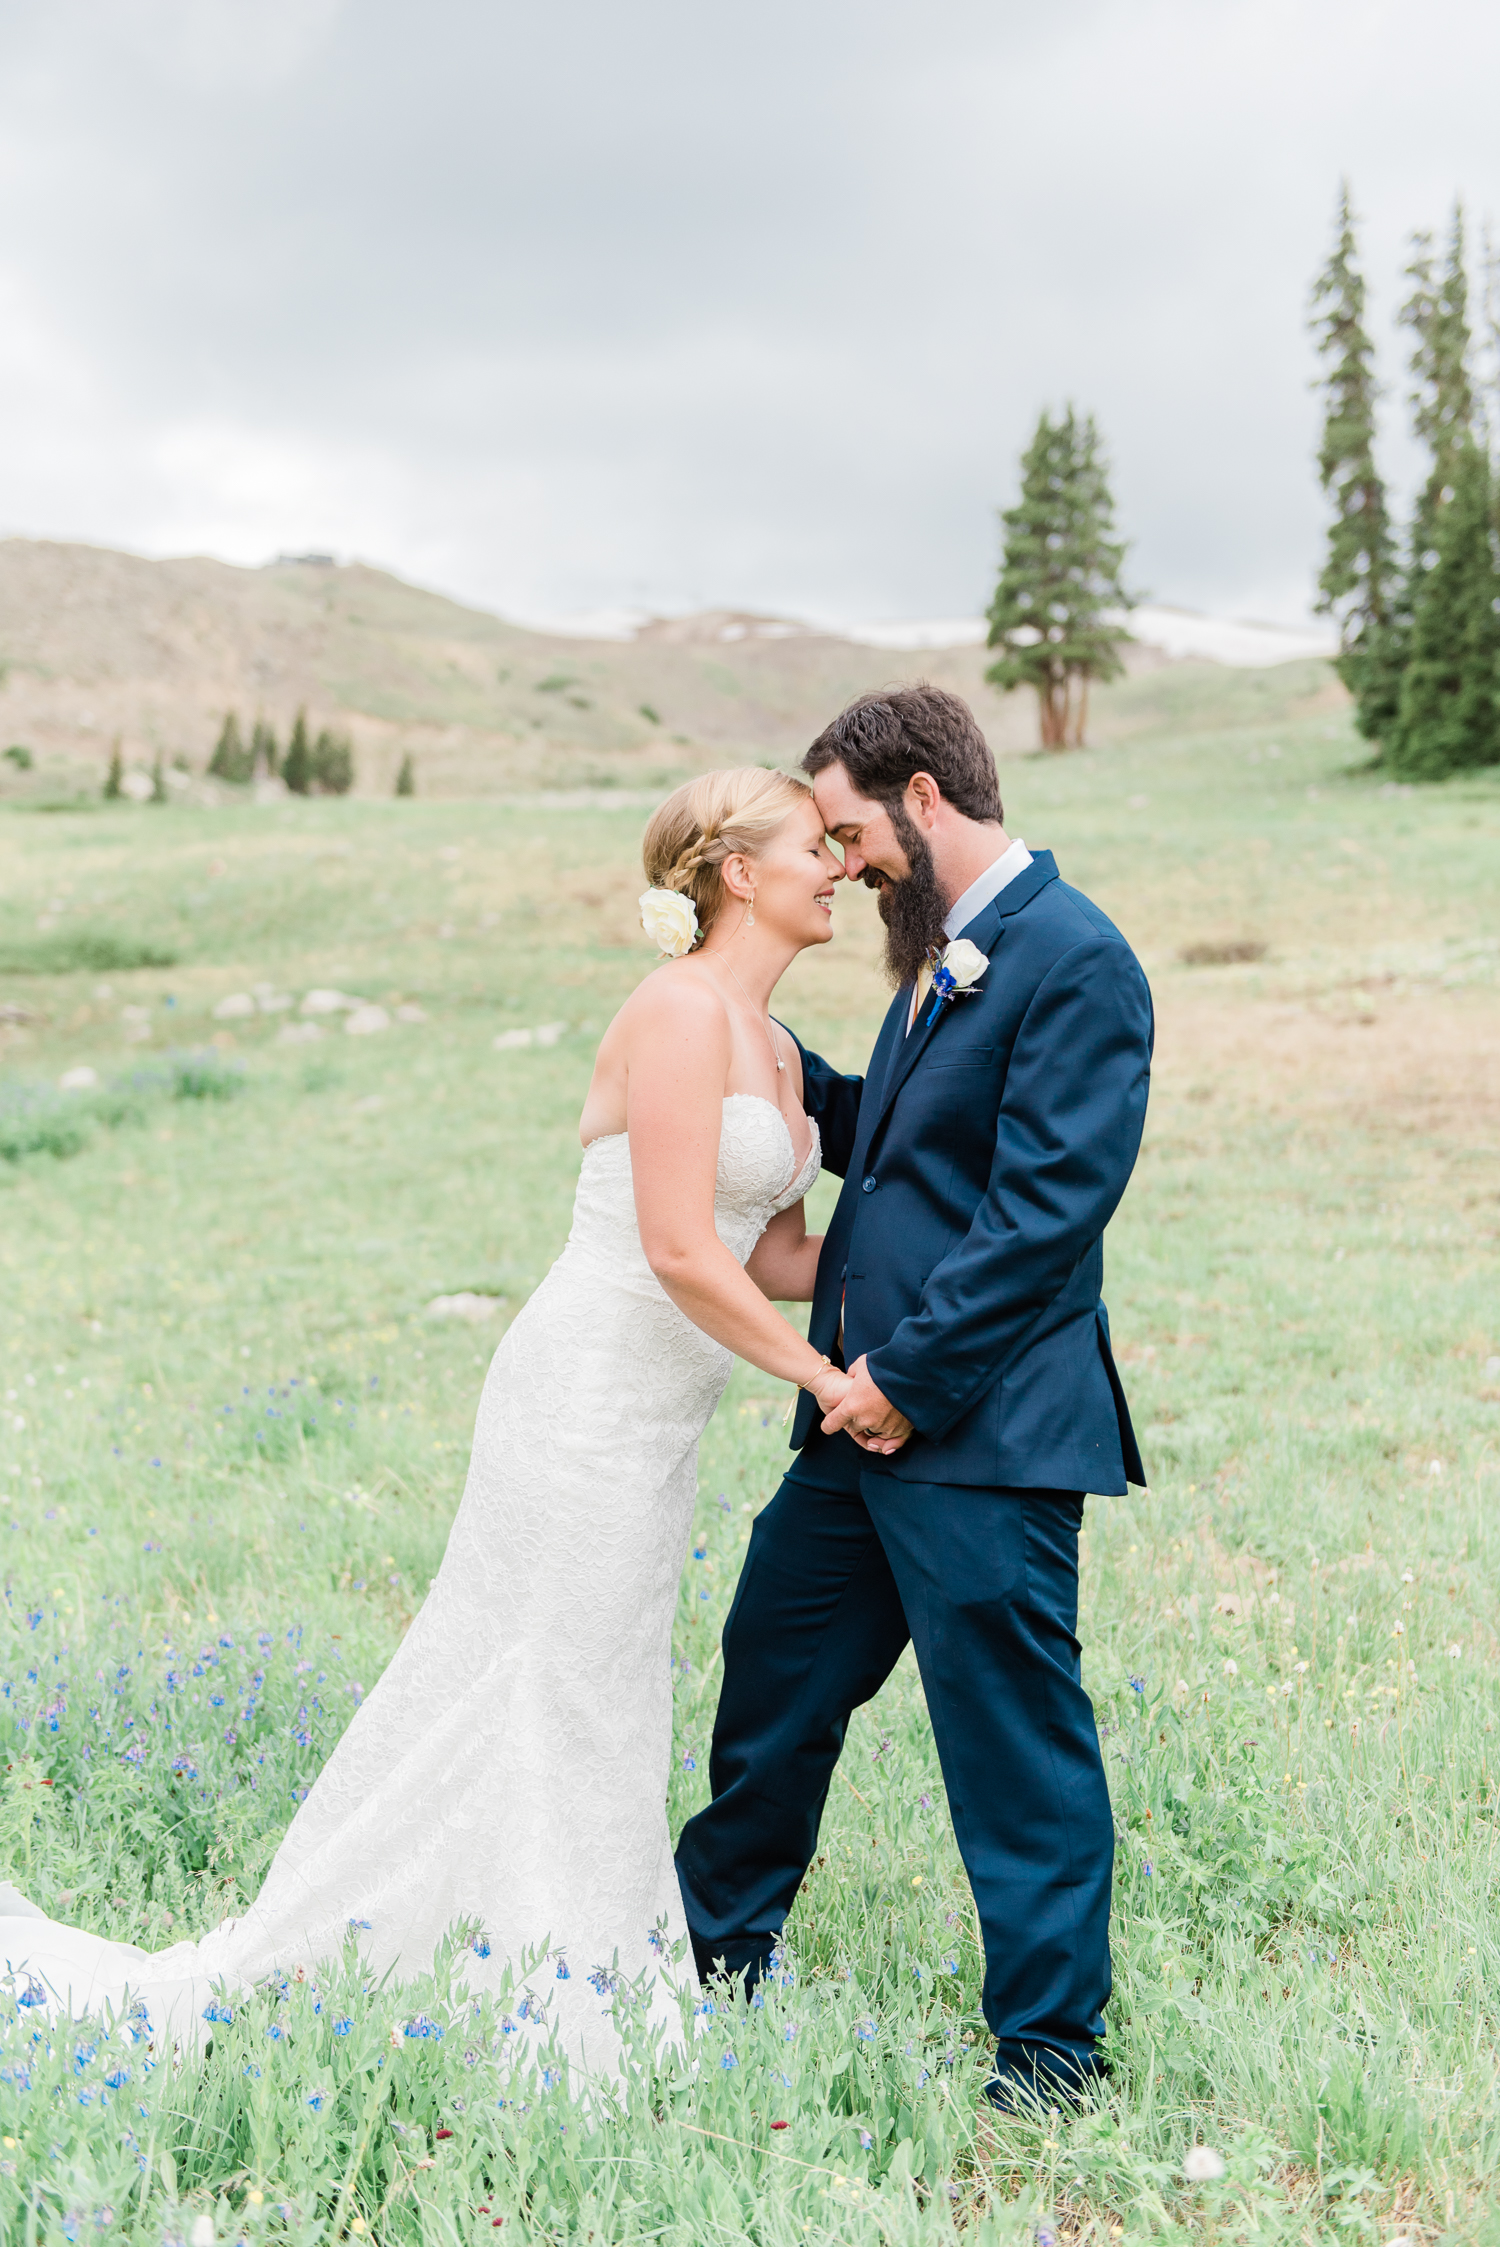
[{"x": 510, "y": 1769}]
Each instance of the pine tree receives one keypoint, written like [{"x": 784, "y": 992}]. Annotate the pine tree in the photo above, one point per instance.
[
  {"x": 296, "y": 765},
  {"x": 158, "y": 782},
  {"x": 333, "y": 763},
  {"x": 1356, "y": 582},
  {"x": 1059, "y": 578},
  {"x": 1442, "y": 416},
  {"x": 113, "y": 788},
  {"x": 1449, "y": 715},
  {"x": 264, "y": 753},
  {"x": 406, "y": 778},
  {"x": 231, "y": 759},
  {"x": 1437, "y": 312}
]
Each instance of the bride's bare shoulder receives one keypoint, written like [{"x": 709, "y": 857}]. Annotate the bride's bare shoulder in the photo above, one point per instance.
[{"x": 678, "y": 1000}]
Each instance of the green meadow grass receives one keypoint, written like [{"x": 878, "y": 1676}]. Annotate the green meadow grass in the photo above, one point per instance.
[{"x": 231, "y": 1441}]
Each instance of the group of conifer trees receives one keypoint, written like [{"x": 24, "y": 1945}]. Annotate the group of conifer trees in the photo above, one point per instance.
[
  {"x": 1418, "y": 618},
  {"x": 308, "y": 766}
]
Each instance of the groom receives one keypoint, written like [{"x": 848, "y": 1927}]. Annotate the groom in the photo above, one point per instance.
[{"x": 983, "y": 1155}]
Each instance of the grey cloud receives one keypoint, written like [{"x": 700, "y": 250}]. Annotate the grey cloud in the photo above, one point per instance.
[{"x": 568, "y": 305}]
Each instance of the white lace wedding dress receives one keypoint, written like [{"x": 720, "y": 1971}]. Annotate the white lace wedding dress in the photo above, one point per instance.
[{"x": 510, "y": 1768}]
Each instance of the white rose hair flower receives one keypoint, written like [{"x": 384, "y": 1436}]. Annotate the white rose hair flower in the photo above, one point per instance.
[{"x": 670, "y": 920}]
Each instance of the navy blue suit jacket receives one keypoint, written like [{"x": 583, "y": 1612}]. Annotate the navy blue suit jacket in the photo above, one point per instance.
[{"x": 982, "y": 1157}]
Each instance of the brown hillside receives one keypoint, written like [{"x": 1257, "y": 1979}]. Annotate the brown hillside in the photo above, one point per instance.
[{"x": 97, "y": 646}]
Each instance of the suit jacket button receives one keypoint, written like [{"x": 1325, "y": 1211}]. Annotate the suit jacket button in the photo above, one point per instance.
[{"x": 871, "y": 1183}]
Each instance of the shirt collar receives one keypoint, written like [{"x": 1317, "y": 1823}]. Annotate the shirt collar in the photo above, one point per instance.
[{"x": 988, "y": 887}]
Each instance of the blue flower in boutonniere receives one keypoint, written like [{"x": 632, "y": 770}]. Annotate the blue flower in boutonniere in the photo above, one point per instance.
[{"x": 956, "y": 973}]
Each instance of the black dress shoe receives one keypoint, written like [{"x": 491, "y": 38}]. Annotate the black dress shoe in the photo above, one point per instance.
[{"x": 1033, "y": 2091}]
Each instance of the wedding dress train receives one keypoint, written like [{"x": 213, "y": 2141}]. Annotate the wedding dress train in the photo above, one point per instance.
[{"x": 509, "y": 1770}]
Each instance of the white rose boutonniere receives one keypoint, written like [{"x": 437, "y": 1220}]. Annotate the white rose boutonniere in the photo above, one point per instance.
[
  {"x": 956, "y": 973},
  {"x": 670, "y": 920}
]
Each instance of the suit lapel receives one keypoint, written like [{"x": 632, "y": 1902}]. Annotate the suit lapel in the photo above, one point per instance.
[
  {"x": 910, "y": 1047},
  {"x": 886, "y": 1058},
  {"x": 986, "y": 930}
]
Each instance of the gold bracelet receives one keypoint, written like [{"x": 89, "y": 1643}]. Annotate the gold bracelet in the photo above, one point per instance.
[{"x": 801, "y": 1385}]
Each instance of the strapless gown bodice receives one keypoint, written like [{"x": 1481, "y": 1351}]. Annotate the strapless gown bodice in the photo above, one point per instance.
[{"x": 758, "y": 1177}]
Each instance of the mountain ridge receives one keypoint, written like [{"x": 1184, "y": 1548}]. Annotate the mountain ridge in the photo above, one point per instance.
[{"x": 99, "y": 648}]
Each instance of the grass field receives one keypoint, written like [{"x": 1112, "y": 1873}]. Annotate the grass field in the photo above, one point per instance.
[{"x": 232, "y": 1441}]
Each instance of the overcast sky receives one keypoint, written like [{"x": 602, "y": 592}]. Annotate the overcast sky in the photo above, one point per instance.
[{"x": 577, "y": 304}]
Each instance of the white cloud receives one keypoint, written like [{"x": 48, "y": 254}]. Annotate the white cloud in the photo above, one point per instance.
[{"x": 576, "y": 306}]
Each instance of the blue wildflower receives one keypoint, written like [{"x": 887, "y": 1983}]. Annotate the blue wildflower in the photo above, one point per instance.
[
  {"x": 343, "y": 2025},
  {"x": 729, "y": 2061}
]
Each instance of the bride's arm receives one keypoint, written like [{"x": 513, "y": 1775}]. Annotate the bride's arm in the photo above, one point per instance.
[
  {"x": 677, "y": 1063},
  {"x": 784, "y": 1264}
]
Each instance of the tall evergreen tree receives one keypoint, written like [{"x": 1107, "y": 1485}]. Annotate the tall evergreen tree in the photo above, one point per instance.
[
  {"x": 1059, "y": 579},
  {"x": 1449, "y": 714},
  {"x": 114, "y": 779},
  {"x": 406, "y": 778},
  {"x": 1437, "y": 312},
  {"x": 1443, "y": 409},
  {"x": 231, "y": 759},
  {"x": 333, "y": 763},
  {"x": 296, "y": 765},
  {"x": 1355, "y": 585}
]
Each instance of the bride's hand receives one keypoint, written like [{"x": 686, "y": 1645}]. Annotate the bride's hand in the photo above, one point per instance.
[{"x": 830, "y": 1388}]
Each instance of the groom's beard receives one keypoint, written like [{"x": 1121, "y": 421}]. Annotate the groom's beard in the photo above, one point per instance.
[{"x": 913, "y": 909}]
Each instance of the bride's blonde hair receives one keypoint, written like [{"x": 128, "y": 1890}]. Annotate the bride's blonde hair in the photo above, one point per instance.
[{"x": 708, "y": 820}]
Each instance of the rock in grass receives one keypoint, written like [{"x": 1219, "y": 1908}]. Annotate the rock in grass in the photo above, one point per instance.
[
  {"x": 464, "y": 1305},
  {"x": 298, "y": 1033},
  {"x": 235, "y": 1007},
  {"x": 366, "y": 1020},
  {"x": 81, "y": 1079},
  {"x": 545, "y": 1033},
  {"x": 330, "y": 1002}
]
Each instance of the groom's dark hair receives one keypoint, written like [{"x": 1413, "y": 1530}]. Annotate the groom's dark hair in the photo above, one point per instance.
[{"x": 882, "y": 739}]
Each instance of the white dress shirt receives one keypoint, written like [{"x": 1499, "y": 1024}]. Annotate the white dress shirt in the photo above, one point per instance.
[
  {"x": 988, "y": 887},
  {"x": 967, "y": 908}
]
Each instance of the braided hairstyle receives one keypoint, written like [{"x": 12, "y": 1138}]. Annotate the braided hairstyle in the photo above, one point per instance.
[{"x": 708, "y": 820}]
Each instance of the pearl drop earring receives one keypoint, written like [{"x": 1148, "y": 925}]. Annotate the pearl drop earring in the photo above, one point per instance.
[{"x": 750, "y": 911}]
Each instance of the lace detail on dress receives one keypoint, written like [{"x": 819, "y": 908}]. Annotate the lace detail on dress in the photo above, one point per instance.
[{"x": 510, "y": 1766}]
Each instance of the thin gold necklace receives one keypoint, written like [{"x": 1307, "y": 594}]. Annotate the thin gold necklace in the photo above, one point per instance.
[{"x": 765, "y": 1020}]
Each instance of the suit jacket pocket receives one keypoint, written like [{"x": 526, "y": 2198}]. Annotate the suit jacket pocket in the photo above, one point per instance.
[{"x": 972, "y": 1057}]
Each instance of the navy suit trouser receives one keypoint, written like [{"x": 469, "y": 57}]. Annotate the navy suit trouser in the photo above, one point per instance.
[{"x": 844, "y": 1565}]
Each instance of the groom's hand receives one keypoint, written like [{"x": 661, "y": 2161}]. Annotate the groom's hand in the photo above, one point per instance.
[{"x": 871, "y": 1419}]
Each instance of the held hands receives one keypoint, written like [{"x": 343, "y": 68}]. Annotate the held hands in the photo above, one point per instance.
[
  {"x": 830, "y": 1388},
  {"x": 871, "y": 1419}
]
